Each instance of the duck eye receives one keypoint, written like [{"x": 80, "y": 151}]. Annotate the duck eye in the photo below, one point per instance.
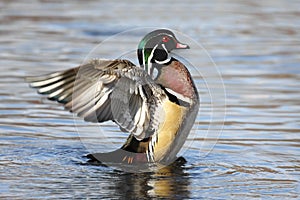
[{"x": 165, "y": 39}]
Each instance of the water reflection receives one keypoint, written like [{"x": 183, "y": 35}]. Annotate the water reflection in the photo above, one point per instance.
[{"x": 170, "y": 182}]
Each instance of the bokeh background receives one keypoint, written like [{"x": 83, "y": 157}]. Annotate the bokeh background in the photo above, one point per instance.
[{"x": 256, "y": 47}]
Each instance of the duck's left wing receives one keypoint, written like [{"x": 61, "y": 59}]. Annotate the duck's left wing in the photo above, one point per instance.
[{"x": 103, "y": 90}]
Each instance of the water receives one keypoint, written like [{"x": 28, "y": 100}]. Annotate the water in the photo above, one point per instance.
[{"x": 256, "y": 47}]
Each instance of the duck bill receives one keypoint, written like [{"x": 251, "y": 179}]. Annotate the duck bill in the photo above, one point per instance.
[{"x": 182, "y": 46}]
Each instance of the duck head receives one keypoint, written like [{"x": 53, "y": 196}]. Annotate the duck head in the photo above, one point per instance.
[{"x": 155, "y": 48}]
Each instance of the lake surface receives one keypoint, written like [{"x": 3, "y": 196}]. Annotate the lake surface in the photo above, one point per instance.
[{"x": 254, "y": 155}]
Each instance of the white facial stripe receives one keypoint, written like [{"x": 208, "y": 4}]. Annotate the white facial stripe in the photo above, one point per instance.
[
  {"x": 164, "y": 46},
  {"x": 179, "y": 96},
  {"x": 152, "y": 53},
  {"x": 149, "y": 64},
  {"x": 150, "y": 58},
  {"x": 164, "y": 61}
]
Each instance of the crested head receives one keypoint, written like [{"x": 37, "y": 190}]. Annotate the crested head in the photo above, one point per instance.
[{"x": 155, "y": 48}]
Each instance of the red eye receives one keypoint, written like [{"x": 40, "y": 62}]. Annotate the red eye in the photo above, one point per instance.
[{"x": 165, "y": 39}]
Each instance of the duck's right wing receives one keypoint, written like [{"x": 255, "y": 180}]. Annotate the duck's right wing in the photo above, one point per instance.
[{"x": 104, "y": 90}]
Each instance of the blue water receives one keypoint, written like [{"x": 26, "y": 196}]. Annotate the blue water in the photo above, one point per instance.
[{"x": 255, "y": 46}]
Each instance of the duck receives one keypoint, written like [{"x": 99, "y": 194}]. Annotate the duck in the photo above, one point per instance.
[{"x": 155, "y": 102}]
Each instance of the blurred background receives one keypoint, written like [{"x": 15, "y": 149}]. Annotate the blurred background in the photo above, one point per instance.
[{"x": 256, "y": 47}]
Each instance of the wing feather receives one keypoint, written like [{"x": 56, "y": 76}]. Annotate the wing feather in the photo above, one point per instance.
[{"x": 103, "y": 90}]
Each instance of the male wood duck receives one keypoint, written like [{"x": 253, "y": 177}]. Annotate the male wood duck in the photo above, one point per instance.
[{"x": 156, "y": 102}]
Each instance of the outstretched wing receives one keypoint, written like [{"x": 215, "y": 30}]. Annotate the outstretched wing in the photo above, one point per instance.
[{"x": 103, "y": 90}]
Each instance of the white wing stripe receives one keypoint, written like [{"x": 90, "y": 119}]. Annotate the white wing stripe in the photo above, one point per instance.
[{"x": 46, "y": 82}]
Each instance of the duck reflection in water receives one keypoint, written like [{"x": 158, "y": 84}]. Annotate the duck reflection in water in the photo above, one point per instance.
[{"x": 169, "y": 182}]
